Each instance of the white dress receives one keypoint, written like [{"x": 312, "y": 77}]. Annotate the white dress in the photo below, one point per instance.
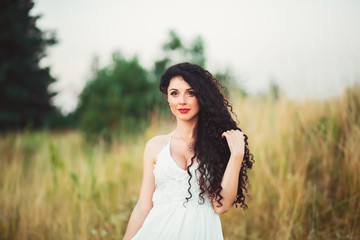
[{"x": 173, "y": 218}]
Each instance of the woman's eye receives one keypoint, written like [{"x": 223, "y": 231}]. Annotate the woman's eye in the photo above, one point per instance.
[
  {"x": 173, "y": 93},
  {"x": 191, "y": 93}
]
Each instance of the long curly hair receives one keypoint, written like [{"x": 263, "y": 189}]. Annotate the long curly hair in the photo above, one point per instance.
[{"x": 215, "y": 117}]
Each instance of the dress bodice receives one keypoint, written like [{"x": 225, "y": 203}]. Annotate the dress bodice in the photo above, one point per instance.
[{"x": 172, "y": 182}]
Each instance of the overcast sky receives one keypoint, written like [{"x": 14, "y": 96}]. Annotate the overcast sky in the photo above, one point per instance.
[{"x": 310, "y": 47}]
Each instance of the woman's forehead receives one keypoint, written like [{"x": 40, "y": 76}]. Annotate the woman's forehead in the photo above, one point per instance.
[{"x": 178, "y": 83}]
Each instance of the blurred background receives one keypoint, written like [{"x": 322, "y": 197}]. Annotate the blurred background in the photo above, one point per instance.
[{"x": 79, "y": 99}]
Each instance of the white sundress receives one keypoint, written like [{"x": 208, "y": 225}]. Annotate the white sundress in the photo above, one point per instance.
[{"x": 171, "y": 217}]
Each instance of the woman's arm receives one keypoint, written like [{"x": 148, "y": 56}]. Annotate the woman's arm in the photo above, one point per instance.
[
  {"x": 144, "y": 204},
  {"x": 230, "y": 179}
]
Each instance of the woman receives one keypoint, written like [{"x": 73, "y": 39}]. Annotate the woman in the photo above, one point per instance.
[{"x": 196, "y": 172}]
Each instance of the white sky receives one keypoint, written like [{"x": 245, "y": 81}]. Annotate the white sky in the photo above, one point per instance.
[{"x": 310, "y": 47}]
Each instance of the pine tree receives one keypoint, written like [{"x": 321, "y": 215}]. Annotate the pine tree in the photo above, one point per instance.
[{"x": 24, "y": 96}]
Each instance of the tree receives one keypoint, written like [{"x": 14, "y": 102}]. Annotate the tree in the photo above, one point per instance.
[
  {"x": 24, "y": 96},
  {"x": 117, "y": 101}
]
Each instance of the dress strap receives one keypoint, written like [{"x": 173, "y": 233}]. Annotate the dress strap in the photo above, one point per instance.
[
  {"x": 164, "y": 142},
  {"x": 170, "y": 137},
  {"x": 164, "y": 139}
]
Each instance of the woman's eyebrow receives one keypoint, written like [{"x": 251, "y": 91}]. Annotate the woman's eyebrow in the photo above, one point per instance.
[{"x": 176, "y": 89}]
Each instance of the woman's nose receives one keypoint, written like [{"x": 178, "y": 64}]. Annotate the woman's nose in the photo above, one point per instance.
[{"x": 182, "y": 99}]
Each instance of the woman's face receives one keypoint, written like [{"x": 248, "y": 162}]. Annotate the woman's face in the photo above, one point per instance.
[{"x": 182, "y": 100}]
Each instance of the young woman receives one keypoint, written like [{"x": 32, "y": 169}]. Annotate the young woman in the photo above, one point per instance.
[{"x": 196, "y": 172}]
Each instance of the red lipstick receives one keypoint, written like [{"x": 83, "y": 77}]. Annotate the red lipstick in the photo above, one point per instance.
[{"x": 183, "y": 110}]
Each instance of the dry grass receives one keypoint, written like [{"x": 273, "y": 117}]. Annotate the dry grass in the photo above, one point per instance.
[{"x": 305, "y": 183}]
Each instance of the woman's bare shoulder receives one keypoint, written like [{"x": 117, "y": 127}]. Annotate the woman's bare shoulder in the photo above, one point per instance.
[{"x": 155, "y": 144}]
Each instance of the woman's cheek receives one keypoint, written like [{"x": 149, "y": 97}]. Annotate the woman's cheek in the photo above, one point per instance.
[{"x": 173, "y": 107}]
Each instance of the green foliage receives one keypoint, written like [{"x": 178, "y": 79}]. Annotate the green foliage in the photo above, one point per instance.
[
  {"x": 174, "y": 42},
  {"x": 56, "y": 120},
  {"x": 24, "y": 96},
  {"x": 176, "y": 51},
  {"x": 197, "y": 51},
  {"x": 117, "y": 101}
]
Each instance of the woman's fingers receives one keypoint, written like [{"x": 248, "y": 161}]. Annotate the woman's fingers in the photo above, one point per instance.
[
  {"x": 235, "y": 140},
  {"x": 224, "y": 134},
  {"x": 230, "y": 133}
]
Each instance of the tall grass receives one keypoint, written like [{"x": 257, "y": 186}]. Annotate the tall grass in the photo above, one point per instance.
[{"x": 305, "y": 183}]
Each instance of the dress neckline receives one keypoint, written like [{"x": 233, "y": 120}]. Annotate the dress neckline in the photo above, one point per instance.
[{"x": 172, "y": 159}]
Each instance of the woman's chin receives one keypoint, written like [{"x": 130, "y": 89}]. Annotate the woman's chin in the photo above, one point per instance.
[{"x": 186, "y": 117}]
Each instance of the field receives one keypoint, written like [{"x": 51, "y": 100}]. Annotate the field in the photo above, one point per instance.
[{"x": 305, "y": 182}]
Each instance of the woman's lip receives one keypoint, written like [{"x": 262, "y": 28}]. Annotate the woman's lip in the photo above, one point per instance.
[{"x": 183, "y": 110}]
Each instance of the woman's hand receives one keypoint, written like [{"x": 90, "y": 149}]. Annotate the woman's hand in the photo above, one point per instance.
[{"x": 236, "y": 143}]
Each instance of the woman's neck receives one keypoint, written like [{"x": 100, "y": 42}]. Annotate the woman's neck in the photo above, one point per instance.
[{"x": 186, "y": 129}]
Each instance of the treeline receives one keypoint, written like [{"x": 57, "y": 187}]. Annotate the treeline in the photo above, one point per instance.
[{"x": 118, "y": 100}]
